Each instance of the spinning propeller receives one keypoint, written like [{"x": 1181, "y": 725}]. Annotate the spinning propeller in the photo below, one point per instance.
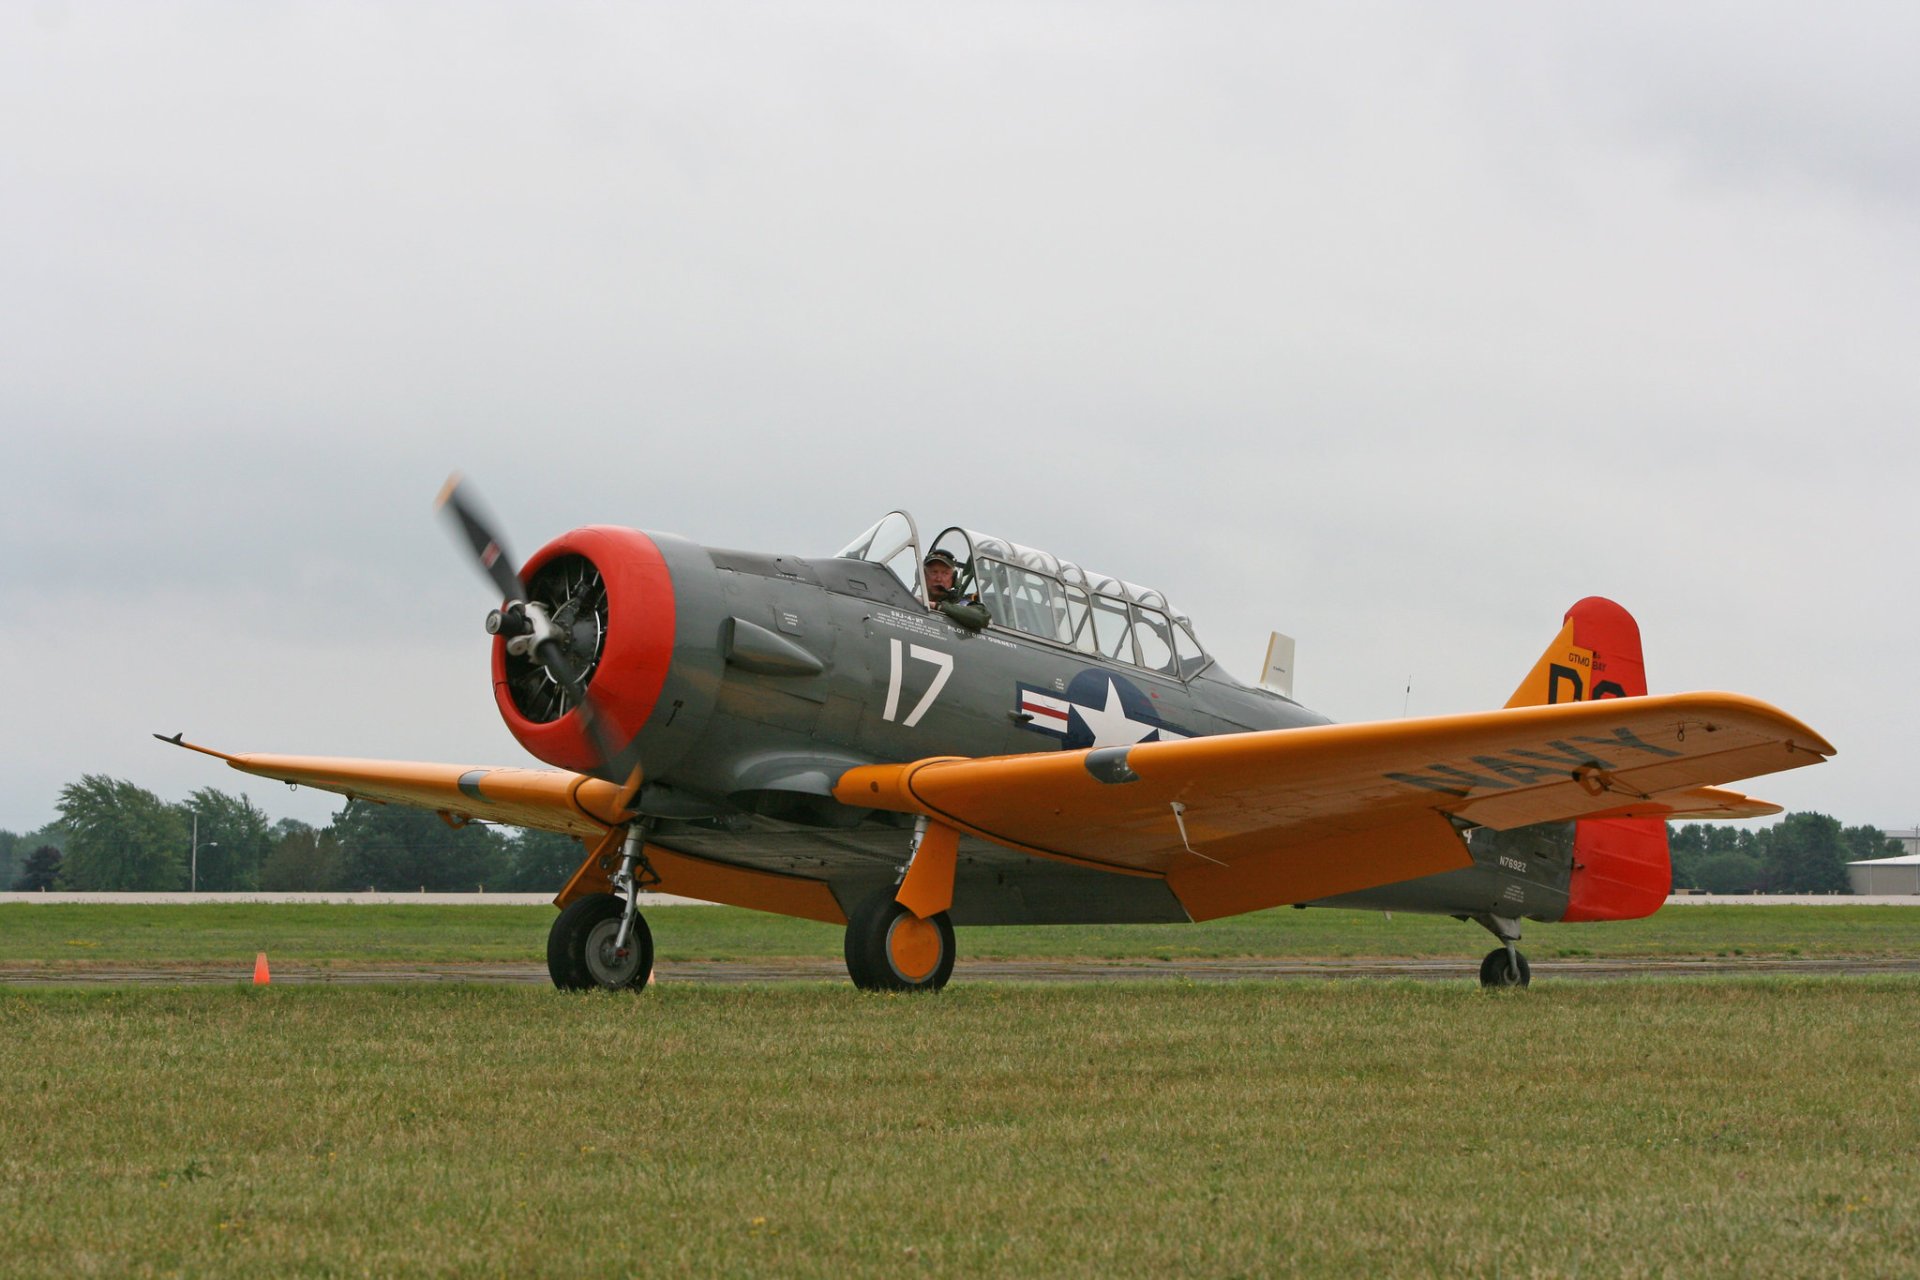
[{"x": 540, "y": 633}]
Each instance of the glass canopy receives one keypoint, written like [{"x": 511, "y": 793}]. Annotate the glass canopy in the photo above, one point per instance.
[{"x": 1038, "y": 594}]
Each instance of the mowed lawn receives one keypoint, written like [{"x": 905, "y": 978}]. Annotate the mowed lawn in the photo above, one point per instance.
[
  {"x": 1752, "y": 1127},
  {"x": 83, "y": 935}
]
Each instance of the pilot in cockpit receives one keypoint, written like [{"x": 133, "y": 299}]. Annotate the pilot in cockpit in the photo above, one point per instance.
[{"x": 944, "y": 597}]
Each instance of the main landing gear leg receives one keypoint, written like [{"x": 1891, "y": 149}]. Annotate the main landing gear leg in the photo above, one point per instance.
[
  {"x": 602, "y": 940},
  {"x": 627, "y": 886},
  {"x": 1504, "y": 965},
  {"x": 901, "y": 939}
]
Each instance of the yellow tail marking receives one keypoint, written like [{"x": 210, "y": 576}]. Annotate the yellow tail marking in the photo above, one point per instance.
[{"x": 1563, "y": 674}]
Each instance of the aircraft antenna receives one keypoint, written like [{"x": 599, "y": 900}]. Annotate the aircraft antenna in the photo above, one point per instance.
[{"x": 1407, "y": 702}]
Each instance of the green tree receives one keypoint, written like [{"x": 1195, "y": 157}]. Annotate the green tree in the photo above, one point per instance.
[
  {"x": 1728, "y": 871},
  {"x": 1867, "y": 843},
  {"x": 40, "y": 870},
  {"x": 398, "y": 849},
  {"x": 53, "y": 833},
  {"x": 15, "y": 849},
  {"x": 538, "y": 862},
  {"x": 1805, "y": 853},
  {"x": 1696, "y": 845},
  {"x": 121, "y": 837},
  {"x": 303, "y": 861},
  {"x": 1686, "y": 846},
  {"x": 235, "y": 839}
]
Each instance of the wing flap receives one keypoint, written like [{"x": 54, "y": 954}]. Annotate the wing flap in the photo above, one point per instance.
[
  {"x": 1303, "y": 870},
  {"x": 1695, "y": 804},
  {"x": 710, "y": 881}
]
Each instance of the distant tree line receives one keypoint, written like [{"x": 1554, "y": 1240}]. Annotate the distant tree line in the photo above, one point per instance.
[
  {"x": 114, "y": 835},
  {"x": 1802, "y": 853},
  {"x": 31, "y": 861}
]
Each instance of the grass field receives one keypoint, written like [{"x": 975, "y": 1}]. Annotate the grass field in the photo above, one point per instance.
[
  {"x": 79, "y": 935},
  {"x": 1747, "y": 1127}
]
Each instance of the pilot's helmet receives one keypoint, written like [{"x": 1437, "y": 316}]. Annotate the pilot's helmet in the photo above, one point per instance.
[{"x": 940, "y": 555}]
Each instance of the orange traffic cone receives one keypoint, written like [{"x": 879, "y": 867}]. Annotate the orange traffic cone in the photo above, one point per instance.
[{"x": 260, "y": 975}]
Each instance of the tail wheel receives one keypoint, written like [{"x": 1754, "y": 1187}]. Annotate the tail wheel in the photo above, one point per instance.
[
  {"x": 891, "y": 949},
  {"x": 580, "y": 947},
  {"x": 1501, "y": 970}
]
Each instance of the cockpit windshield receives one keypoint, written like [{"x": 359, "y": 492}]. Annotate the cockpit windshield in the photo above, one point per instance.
[
  {"x": 894, "y": 544},
  {"x": 1043, "y": 596}
]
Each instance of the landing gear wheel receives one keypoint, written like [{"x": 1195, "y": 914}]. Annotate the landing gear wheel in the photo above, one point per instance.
[
  {"x": 580, "y": 951},
  {"x": 891, "y": 949},
  {"x": 1498, "y": 971}
]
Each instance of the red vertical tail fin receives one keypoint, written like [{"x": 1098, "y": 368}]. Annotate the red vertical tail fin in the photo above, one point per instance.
[
  {"x": 1621, "y": 869},
  {"x": 1596, "y": 655}
]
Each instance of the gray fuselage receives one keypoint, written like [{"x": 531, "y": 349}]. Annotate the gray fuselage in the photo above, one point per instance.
[{"x": 787, "y": 671}]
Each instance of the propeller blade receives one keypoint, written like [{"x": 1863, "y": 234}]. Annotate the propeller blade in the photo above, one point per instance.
[{"x": 487, "y": 547}]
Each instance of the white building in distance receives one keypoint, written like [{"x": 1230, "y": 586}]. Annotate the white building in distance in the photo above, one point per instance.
[{"x": 1890, "y": 875}]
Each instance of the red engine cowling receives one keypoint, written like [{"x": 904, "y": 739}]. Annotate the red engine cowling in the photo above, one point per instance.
[{"x": 610, "y": 591}]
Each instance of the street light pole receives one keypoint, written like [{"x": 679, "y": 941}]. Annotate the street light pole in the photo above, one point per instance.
[{"x": 193, "y": 863}]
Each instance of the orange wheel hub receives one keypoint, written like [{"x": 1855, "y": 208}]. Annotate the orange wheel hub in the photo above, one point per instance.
[{"x": 913, "y": 947}]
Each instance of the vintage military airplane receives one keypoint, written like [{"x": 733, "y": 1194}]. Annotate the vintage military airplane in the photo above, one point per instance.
[{"x": 808, "y": 736}]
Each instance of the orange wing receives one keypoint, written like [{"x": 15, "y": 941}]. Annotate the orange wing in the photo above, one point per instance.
[
  {"x": 1250, "y": 820},
  {"x": 546, "y": 800}
]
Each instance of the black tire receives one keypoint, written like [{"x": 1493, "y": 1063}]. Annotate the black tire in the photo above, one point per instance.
[
  {"x": 580, "y": 947},
  {"x": 855, "y": 949},
  {"x": 1495, "y": 971},
  {"x": 872, "y": 933}
]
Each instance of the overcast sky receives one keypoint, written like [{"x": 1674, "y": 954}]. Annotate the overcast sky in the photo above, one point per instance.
[{"x": 1394, "y": 327}]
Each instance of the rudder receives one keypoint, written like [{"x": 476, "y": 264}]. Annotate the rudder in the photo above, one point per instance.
[
  {"x": 1621, "y": 866},
  {"x": 1596, "y": 655}
]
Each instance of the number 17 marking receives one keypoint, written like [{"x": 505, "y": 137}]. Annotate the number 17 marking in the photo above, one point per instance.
[{"x": 944, "y": 661}]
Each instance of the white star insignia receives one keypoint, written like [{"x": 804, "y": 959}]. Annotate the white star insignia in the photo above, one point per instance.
[{"x": 1112, "y": 727}]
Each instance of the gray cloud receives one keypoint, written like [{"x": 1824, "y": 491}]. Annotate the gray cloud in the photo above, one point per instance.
[{"x": 1395, "y": 330}]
